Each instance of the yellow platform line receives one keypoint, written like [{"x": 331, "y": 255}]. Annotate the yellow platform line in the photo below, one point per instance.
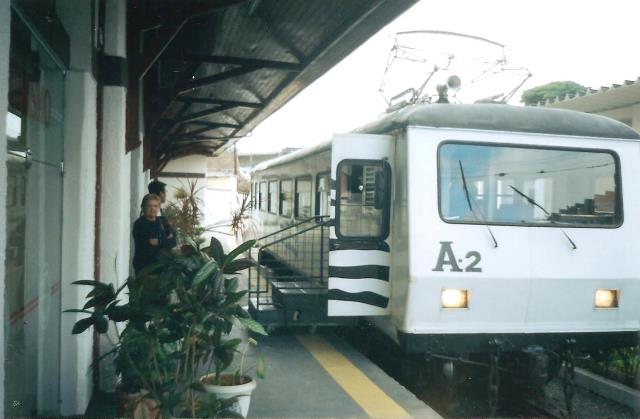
[{"x": 371, "y": 398}]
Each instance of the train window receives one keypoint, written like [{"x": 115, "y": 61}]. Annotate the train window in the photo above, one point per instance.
[
  {"x": 302, "y": 203},
  {"x": 323, "y": 194},
  {"x": 273, "y": 197},
  {"x": 286, "y": 198},
  {"x": 254, "y": 195},
  {"x": 519, "y": 185},
  {"x": 262, "y": 202},
  {"x": 363, "y": 199}
]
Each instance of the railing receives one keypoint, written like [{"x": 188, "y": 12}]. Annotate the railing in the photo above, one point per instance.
[{"x": 301, "y": 250}]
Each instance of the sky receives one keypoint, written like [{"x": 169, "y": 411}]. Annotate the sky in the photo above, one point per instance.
[{"x": 592, "y": 43}]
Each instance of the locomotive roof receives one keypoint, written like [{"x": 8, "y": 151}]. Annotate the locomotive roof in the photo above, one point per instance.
[
  {"x": 495, "y": 117},
  {"x": 483, "y": 116}
]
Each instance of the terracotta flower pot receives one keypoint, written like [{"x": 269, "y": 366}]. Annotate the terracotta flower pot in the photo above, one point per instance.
[{"x": 137, "y": 405}]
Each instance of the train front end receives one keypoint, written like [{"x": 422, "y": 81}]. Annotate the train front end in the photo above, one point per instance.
[{"x": 521, "y": 238}]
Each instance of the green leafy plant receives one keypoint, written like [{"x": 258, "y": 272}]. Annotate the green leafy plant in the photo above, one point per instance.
[
  {"x": 239, "y": 222},
  {"x": 177, "y": 320},
  {"x": 618, "y": 364},
  {"x": 260, "y": 364},
  {"x": 185, "y": 214}
]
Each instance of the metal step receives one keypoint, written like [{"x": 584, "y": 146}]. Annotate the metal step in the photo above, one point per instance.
[
  {"x": 267, "y": 312},
  {"x": 299, "y": 285},
  {"x": 302, "y": 291},
  {"x": 310, "y": 294}
]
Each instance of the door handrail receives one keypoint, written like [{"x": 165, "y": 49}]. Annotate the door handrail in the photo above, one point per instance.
[
  {"x": 305, "y": 221},
  {"x": 297, "y": 233}
]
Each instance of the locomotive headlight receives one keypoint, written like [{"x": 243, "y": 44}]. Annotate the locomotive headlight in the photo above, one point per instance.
[
  {"x": 606, "y": 298},
  {"x": 454, "y": 298}
]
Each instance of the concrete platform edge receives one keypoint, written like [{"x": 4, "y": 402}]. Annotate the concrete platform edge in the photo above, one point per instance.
[{"x": 608, "y": 388}]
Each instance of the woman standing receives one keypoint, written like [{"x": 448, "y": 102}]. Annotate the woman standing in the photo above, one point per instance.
[{"x": 149, "y": 234}]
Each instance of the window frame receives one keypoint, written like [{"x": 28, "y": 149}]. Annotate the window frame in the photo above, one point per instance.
[
  {"x": 386, "y": 211},
  {"x": 270, "y": 210},
  {"x": 280, "y": 197},
  {"x": 254, "y": 195},
  {"x": 295, "y": 196},
  {"x": 316, "y": 195},
  {"x": 266, "y": 183},
  {"x": 617, "y": 179}
]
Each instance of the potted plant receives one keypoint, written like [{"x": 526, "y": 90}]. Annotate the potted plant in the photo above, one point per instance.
[
  {"x": 236, "y": 386},
  {"x": 177, "y": 320}
]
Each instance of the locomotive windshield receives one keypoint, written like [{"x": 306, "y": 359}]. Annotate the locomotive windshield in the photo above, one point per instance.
[{"x": 517, "y": 185}]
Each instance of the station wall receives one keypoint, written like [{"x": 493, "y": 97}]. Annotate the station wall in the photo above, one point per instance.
[
  {"x": 79, "y": 199},
  {"x": 123, "y": 183},
  {"x": 5, "y": 35}
]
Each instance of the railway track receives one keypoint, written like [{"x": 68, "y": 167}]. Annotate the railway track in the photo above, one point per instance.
[{"x": 466, "y": 395}]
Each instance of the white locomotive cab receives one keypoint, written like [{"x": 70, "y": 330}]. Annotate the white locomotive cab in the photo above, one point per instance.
[
  {"x": 515, "y": 233},
  {"x": 359, "y": 256}
]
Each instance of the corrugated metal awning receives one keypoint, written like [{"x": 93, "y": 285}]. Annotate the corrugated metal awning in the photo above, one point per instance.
[{"x": 211, "y": 71}]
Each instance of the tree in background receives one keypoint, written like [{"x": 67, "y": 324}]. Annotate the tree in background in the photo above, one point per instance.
[{"x": 550, "y": 90}]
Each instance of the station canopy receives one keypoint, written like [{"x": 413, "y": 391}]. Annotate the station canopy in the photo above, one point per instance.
[{"x": 209, "y": 72}]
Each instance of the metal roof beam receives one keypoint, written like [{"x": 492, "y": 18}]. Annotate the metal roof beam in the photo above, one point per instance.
[
  {"x": 213, "y": 125},
  {"x": 240, "y": 61},
  {"x": 222, "y": 102},
  {"x": 198, "y": 131},
  {"x": 197, "y": 115},
  {"x": 206, "y": 126},
  {"x": 168, "y": 32},
  {"x": 193, "y": 84},
  {"x": 200, "y": 138},
  {"x": 207, "y": 80}
]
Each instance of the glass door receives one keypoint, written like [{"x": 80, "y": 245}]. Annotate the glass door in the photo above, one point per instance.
[{"x": 34, "y": 227}]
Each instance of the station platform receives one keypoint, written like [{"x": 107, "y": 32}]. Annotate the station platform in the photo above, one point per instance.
[
  {"x": 320, "y": 375},
  {"x": 316, "y": 376}
]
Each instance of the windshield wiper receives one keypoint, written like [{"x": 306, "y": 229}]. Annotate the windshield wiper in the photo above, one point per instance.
[
  {"x": 479, "y": 219},
  {"x": 535, "y": 204}
]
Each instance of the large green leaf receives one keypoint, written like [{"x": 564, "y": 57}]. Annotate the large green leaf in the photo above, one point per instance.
[
  {"x": 188, "y": 240},
  {"x": 100, "y": 300},
  {"x": 241, "y": 312},
  {"x": 234, "y": 297},
  {"x": 238, "y": 251},
  {"x": 118, "y": 313},
  {"x": 238, "y": 265},
  {"x": 91, "y": 283},
  {"x": 101, "y": 324},
  {"x": 215, "y": 250},
  {"x": 252, "y": 325},
  {"x": 82, "y": 325},
  {"x": 150, "y": 269},
  {"x": 232, "y": 343},
  {"x": 76, "y": 310},
  {"x": 230, "y": 284},
  {"x": 204, "y": 272},
  {"x": 261, "y": 367}
]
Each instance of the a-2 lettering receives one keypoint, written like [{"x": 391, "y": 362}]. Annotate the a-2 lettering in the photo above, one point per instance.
[{"x": 448, "y": 258}]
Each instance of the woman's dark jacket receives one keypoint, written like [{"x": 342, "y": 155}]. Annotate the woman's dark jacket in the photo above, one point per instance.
[{"x": 144, "y": 230}]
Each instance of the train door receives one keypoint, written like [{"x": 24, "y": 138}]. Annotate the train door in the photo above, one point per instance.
[{"x": 359, "y": 255}]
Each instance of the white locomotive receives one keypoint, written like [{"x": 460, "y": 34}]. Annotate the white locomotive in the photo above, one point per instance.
[{"x": 453, "y": 225}]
